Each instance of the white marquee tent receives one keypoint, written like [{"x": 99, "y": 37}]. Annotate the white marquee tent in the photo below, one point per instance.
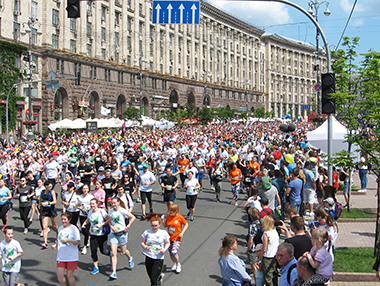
[{"x": 319, "y": 139}]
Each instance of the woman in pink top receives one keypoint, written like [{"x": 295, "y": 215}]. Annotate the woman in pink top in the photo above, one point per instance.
[{"x": 99, "y": 193}]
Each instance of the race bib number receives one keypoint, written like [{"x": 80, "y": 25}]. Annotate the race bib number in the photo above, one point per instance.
[
  {"x": 248, "y": 180},
  {"x": 171, "y": 230},
  {"x": 169, "y": 188},
  {"x": 71, "y": 206},
  {"x": 23, "y": 199},
  {"x": 95, "y": 229}
]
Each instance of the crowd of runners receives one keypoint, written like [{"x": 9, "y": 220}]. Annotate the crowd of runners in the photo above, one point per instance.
[{"x": 99, "y": 178}]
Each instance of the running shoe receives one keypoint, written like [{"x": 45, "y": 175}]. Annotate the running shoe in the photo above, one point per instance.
[
  {"x": 151, "y": 210},
  {"x": 174, "y": 268},
  {"x": 84, "y": 250},
  {"x": 131, "y": 263},
  {"x": 159, "y": 281},
  {"x": 189, "y": 213},
  {"x": 45, "y": 245},
  {"x": 25, "y": 231},
  {"x": 236, "y": 203},
  {"x": 113, "y": 276},
  {"x": 95, "y": 271},
  {"x": 191, "y": 219},
  {"x": 174, "y": 200},
  {"x": 179, "y": 268},
  {"x": 138, "y": 200},
  {"x": 143, "y": 216},
  {"x": 3, "y": 227},
  {"x": 48, "y": 230}
]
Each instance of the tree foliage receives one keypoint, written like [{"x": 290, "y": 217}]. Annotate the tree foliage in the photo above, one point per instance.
[
  {"x": 206, "y": 115},
  {"x": 224, "y": 113},
  {"x": 260, "y": 112},
  {"x": 132, "y": 113},
  {"x": 9, "y": 75}
]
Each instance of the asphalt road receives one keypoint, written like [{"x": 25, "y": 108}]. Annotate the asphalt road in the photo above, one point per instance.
[{"x": 198, "y": 252}]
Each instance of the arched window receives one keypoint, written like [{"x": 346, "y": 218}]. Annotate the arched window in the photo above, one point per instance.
[
  {"x": 206, "y": 100},
  {"x": 173, "y": 97},
  {"x": 58, "y": 106}
]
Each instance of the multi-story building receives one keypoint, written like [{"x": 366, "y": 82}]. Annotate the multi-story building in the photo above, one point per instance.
[{"x": 222, "y": 62}]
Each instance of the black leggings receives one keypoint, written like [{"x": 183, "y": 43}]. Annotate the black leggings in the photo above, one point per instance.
[
  {"x": 153, "y": 268},
  {"x": 74, "y": 219},
  {"x": 3, "y": 213},
  {"x": 190, "y": 201},
  {"x": 86, "y": 230},
  {"x": 146, "y": 196},
  {"x": 98, "y": 241},
  {"x": 182, "y": 177},
  {"x": 24, "y": 212}
]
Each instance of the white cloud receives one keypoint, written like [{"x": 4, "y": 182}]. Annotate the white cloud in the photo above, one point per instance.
[
  {"x": 357, "y": 22},
  {"x": 364, "y": 6},
  {"x": 260, "y": 14}
]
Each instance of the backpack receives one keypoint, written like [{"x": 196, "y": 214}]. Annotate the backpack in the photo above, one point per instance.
[
  {"x": 338, "y": 210},
  {"x": 290, "y": 272},
  {"x": 342, "y": 177},
  {"x": 258, "y": 237}
]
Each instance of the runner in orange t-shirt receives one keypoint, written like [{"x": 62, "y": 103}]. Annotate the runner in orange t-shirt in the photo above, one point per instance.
[
  {"x": 174, "y": 222},
  {"x": 256, "y": 167},
  {"x": 235, "y": 176},
  {"x": 182, "y": 163}
]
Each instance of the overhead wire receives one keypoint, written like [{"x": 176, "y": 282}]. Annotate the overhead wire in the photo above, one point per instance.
[{"x": 345, "y": 28}]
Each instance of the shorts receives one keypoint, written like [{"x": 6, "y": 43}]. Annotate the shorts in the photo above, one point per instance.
[
  {"x": 252, "y": 257},
  {"x": 70, "y": 265},
  {"x": 308, "y": 196},
  {"x": 345, "y": 188},
  {"x": 146, "y": 195},
  {"x": 10, "y": 278},
  {"x": 34, "y": 202},
  {"x": 319, "y": 194},
  {"x": 48, "y": 212},
  {"x": 169, "y": 196},
  {"x": 200, "y": 175},
  {"x": 174, "y": 247},
  {"x": 118, "y": 239},
  {"x": 190, "y": 201}
]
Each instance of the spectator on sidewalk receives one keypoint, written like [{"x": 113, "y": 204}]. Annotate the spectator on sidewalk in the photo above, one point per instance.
[
  {"x": 306, "y": 274},
  {"x": 301, "y": 239},
  {"x": 287, "y": 263}
]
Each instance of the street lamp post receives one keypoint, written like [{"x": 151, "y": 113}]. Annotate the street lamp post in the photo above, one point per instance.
[
  {"x": 27, "y": 29},
  {"x": 141, "y": 59},
  {"x": 314, "y": 6}
]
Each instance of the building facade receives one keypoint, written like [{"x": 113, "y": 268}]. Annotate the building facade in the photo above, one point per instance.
[{"x": 123, "y": 58}]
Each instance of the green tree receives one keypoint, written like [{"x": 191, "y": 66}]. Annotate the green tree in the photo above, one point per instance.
[
  {"x": 132, "y": 113},
  {"x": 9, "y": 75},
  {"x": 205, "y": 115},
  {"x": 191, "y": 111},
  {"x": 224, "y": 113},
  {"x": 260, "y": 112},
  {"x": 243, "y": 115},
  {"x": 358, "y": 105},
  {"x": 165, "y": 114}
]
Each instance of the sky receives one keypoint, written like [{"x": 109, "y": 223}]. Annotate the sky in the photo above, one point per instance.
[{"x": 284, "y": 20}]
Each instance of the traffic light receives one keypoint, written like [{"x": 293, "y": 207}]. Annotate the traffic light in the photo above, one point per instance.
[
  {"x": 73, "y": 8},
  {"x": 3, "y": 120},
  {"x": 9, "y": 114},
  {"x": 328, "y": 87},
  {"x": 77, "y": 80}
]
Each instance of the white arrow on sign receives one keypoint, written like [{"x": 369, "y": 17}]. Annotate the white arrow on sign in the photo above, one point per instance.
[
  {"x": 193, "y": 8},
  {"x": 170, "y": 7},
  {"x": 181, "y": 8},
  {"x": 158, "y": 8}
]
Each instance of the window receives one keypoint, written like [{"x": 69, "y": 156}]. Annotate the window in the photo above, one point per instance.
[
  {"x": 75, "y": 69},
  {"x": 129, "y": 23},
  {"x": 129, "y": 60},
  {"x": 16, "y": 31},
  {"x": 94, "y": 72},
  {"x": 73, "y": 24},
  {"x": 33, "y": 10},
  {"x": 117, "y": 18},
  {"x": 140, "y": 9},
  {"x": 88, "y": 7},
  {"x": 89, "y": 50},
  {"x": 103, "y": 34},
  {"x": 129, "y": 4},
  {"x": 90, "y": 71},
  {"x": 117, "y": 38},
  {"x": 103, "y": 13},
  {"x": 103, "y": 54},
  {"x": 150, "y": 14},
  {"x": 151, "y": 49},
  {"x": 16, "y": 6},
  {"x": 55, "y": 18},
  {"x": 88, "y": 29},
  {"x": 58, "y": 106},
  {"x": 140, "y": 46},
  {"x": 105, "y": 75},
  {"x": 34, "y": 36},
  {"x": 141, "y": 25},
  {"x": 151, "y": 66},
  {"x": 129, "y": 47},
  {"x": 55, "y": 41},
  {"x": 62, "y": 66},
  {"x": 18, "y": 61},
  {"x": 73, "y": 46}
]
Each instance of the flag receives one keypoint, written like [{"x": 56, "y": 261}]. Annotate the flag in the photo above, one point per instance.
[
  {"x": 104, "y": 111},
  {"x": 123, "y": 129}
]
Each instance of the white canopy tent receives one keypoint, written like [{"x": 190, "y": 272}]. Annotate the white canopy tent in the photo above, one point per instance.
[{"x": 319, "y": 139}]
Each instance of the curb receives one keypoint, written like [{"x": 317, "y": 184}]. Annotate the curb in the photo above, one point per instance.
[
  {"x": 354, "y": 277},
  {"x": 347, "y": 220}
]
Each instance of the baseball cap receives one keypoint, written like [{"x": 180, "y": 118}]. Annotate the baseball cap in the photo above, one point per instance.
[
  {"x": 101, "y": 169},
  {"x": 50, "y": 156},
  {"x": 145, "y": 165},
  {"x": 330, "y": 201},
  {"x": 264, "y": 201}
]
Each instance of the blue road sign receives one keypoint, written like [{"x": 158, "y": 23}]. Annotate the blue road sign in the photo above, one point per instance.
[
  {"x": 305, "y": 107},
  {"x": 176, "y": 12}
]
